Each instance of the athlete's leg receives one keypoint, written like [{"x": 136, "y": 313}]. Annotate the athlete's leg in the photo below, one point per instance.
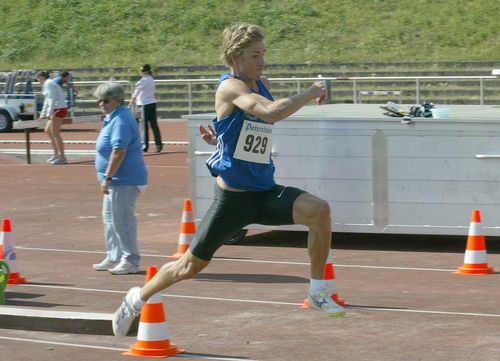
[
  {"x": 184, "y": 268},
  {"x": 315, "y": 213},
  {"x": 220, "y": 222},
  {"x": 289, "y": 205}
]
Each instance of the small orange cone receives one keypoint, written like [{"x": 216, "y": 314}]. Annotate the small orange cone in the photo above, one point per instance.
[
  {"x": 9, "y": 253},
  {"x": 331, "y": 284},
  {"x": 187, "y": 231},
  {"x": 475, "y": 259},
  {"x": 1, "y": 245},
  {"x": 152, "y": 336}
]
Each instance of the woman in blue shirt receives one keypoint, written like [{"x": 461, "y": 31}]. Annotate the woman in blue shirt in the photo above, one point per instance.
[{"x": 122, "y": 173}]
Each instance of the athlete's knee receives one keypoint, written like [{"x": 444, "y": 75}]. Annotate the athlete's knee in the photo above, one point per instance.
[
  {"x": 322, "y": 211},
  {"x": 323, "y": 208},
  {"x": 310, "y": 210}
]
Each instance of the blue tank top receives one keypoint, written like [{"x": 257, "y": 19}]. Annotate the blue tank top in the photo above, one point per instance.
[{"x": 238, "y": 173}]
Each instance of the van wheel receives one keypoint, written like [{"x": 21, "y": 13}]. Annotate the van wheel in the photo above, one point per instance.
[
  {"x": 5, "y": 121},
  {"x": 237, "y": 237}
]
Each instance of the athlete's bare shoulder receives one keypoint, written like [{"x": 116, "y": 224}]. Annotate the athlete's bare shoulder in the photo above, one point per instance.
[
  {"x": 230, "y": 89},
  {"x": 227, "y": 92}
]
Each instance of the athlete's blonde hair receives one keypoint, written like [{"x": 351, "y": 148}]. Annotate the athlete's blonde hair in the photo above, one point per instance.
[{"x": 237, "y": 38}]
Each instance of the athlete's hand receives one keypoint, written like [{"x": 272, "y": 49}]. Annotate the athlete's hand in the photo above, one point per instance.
[
  {"x": 318, "y": 88},
  {"x": 209, "y": 135}
]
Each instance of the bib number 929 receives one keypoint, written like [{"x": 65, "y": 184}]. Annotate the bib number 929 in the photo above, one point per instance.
[{"x": 255, "y": 144}]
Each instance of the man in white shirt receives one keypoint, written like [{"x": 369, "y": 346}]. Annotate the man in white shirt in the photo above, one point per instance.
[{"x": 144, "y": 96}]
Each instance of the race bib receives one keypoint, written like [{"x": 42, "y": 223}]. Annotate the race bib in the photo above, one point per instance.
[{"x": 255, "y": 142}]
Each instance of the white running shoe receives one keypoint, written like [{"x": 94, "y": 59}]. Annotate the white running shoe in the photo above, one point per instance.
[
  {"x": 53, "y": 158},
  {"x": 321, "y": 300},
  {"x": 104, "y": 265},
  {"x": 125, "y": 314},
  {"x": 59, "y": 161},
  {"x": 124, "y": 268}
]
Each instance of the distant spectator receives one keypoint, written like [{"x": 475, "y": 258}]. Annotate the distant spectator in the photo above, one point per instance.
[
  {"x": 144, "y": 96},
  {"x": 54, "y": 110},
  {"x": 62, "y": 78},
  {"x": 65, "y": 78}
]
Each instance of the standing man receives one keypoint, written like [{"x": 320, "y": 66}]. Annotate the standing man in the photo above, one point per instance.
[
  {"x": 144, "y": 96},
  {"x": 245, "y": 190}
]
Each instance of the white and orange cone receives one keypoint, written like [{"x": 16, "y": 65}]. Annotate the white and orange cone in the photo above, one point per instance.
[
  {"x": 187, "y": 230},
  {"x": 9, "y": 253},
  {"x": 475, "y": 259},
  {"x": 331, "y": 283},
  {"x": 153, "y": 339}
]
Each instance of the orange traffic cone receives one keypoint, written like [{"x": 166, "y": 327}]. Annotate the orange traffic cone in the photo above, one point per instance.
[
  {"x": 331, "y": 284},
  {"x": 187, "y": 231},
  {"x": 152, "y": 336},
  {"x": 9, "y": 253},
  {"x": 1, "y": 246},
  {"x": 475, "y": 259}
]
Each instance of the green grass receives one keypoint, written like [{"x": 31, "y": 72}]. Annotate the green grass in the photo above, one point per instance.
[{"x": 88, "y": 33}]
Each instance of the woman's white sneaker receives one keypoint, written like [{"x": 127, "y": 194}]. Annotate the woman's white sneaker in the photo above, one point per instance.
[
  {"x": 104, "y": 265},
  {"x": 60, "y": 160},
  {"x": 124, "y": 268},
  {"x": 52, "y": 159}
]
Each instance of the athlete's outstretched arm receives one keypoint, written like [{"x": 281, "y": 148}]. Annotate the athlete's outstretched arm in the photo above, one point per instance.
[{"x": 235, "y": 93}]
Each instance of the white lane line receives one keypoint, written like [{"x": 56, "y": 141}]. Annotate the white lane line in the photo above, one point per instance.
[
  {"x": 186, "y": 355},
  {"x": 450, "y": 313},
  {"x": 58, "y": 250},
  {"x": 338, "y": 265},
  {"x": 253, "y": 260},
  {"x": 397, "y": 268},
  {"x": 68, "y": 288},
  {"x": 204, "y": 298},
  {"x": 63, "y": 344}
]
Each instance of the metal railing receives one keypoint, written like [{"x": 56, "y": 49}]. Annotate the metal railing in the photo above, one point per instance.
[
  {"x": 300, "y": 82},
  {"x": 356, "y": 81},
  {"x": 417, "y": 79}
]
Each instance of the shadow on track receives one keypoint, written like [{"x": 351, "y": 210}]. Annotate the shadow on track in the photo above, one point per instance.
[{"x": 370, "y": 241}]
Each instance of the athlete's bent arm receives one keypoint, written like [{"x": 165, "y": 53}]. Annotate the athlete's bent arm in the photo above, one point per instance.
[{"x": 234, "y": 92}]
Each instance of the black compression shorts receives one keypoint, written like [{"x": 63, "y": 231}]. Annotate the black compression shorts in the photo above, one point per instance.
[{"x": 231, "y": 211}]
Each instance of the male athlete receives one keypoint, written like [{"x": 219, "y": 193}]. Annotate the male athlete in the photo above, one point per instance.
[{"x": 245, "y": 190}]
